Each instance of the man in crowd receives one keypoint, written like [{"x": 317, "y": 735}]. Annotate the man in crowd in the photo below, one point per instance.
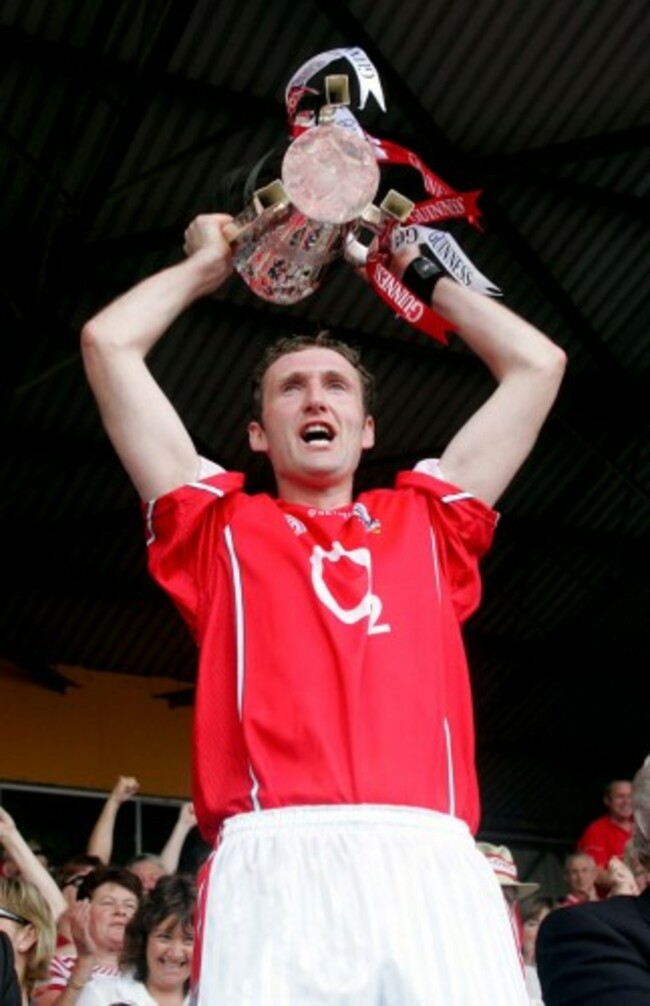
[
  {"x": 333, "y": 727},
  {"x": 580, "y": 876},
  {"x": 598, "y": 954},
  {"x": 608, "y": 835}
]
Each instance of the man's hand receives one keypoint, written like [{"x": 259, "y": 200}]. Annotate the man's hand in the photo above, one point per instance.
[
  {"x": 125, "y": 787},
  {"x": 187, "y": 816},
  {"x": 621, "y": 878},
  {"x": 206, "y": 242}
]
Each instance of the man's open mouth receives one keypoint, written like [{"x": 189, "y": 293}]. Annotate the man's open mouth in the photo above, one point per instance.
[{"x": 317, "y": 433}]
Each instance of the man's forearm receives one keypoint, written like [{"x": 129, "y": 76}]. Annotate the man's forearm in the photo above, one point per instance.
[
  {"x": 148, "y": 435},
  {"x": 491, "y": 446},
  {"x": 100, "y": 842},
  {"x": 499, "y": 337},
  {"x": 137, "y": 319}
]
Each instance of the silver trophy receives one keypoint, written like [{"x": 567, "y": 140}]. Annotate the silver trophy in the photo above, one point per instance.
[{"x": 298, "y": 225}]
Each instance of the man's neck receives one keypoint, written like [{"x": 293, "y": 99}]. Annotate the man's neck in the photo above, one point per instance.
[
  {"x": 318, "y": 497},
  {"x": 627, "y": 823}
]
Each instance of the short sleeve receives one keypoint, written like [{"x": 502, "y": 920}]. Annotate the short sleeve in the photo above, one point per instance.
[
  {"x": 464, "y": 530},
  {"x": 180, "y": 527},
  {"x": 57, "y": 979}
]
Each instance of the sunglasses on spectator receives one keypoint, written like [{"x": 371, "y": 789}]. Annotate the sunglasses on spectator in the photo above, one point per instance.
[{"x": 5, "y": 913}]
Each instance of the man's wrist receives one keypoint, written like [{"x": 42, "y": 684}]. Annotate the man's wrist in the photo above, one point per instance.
[{"x": 421, "y": 276}]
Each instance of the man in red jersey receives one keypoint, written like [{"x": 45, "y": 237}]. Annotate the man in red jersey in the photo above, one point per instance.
[
  {"x": 608, "y": 835},
  {"x": 333, "y": 724}
]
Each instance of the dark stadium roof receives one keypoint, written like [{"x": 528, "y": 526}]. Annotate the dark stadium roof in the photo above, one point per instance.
[{"x": 121, "y": 119}]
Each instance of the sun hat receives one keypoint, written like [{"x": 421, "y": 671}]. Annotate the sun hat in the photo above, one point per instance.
[{"x": 502, "y": 862}]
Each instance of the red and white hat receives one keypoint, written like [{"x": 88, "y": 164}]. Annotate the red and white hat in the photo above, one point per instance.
[{"x": 502, "y": 862}]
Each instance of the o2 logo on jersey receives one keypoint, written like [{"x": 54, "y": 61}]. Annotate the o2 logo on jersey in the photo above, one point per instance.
[{"x": 368, "y": 607}]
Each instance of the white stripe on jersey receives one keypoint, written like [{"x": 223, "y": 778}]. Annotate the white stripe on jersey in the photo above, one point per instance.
[
  {"x": 240, "y": 637},
  {"x": 450, "y": 768},
  {"x": 455, "y": 497},
  {"x": 239, "y": 617},
  {"x": 206, "y": 489},
  {"x": 151, "y": 504},
  {"x": 151, "y": 534},
  {"x": 436, "y": 566}
]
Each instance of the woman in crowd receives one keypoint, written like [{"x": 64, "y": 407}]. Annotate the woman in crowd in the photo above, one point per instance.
[
  {"x": 533, "y": 913},
  {"x": 156, "y": 959},
  {"x": 27, "y": 922},
  {"x": 107, "y": 900}
]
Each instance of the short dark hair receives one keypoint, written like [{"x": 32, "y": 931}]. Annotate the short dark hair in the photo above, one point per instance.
[
  {"x": 145, "y": 857},
  {"x": 62, "y": 874},
  {"x": 109, "y": 875},
  {"x": 296, "y": 343},
  {"x": 172, "y": 898}
]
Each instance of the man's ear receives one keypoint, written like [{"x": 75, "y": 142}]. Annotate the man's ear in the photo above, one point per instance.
[
  {"x": 257, "y": 437},
  {"x": 368, "y": 433}
]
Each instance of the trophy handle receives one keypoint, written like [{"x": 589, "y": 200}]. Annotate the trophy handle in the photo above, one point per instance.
[{"x": 268, "y": 200}]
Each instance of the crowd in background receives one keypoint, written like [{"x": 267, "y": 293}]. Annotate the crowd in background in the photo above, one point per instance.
[{"x": 91, "y": 933}]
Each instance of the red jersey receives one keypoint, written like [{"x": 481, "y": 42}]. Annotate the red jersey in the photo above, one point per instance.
[
  {"x": 332, "y": 668},
  {"x": 602, "y": 839}
]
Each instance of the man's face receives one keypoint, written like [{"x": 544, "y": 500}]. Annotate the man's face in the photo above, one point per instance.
[
  {"x": 111, "y": 908},
  {"x": 148, "y": 873},
  {"x": 313, "y": 423},
  {"x": 580, "y": 874},
  {"x": 619, "y": 801}
]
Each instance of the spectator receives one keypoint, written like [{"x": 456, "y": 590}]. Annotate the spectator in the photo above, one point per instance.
[
  {"x": 148, "y": 869},
  {"x": 157, "y": 956},
  {"x": 608, "y": 835},
  {"x": 146, "y": 866},
  {"x": 513, "y": 890},
  {"x": 580, "y": 875},
  {"x": 598, "y": 954},
  {"x": 107, "y": 900},
  {"x": 26, "y": 864},
  {"x": 27, "y": 920},
  {"x": 533, "y": 912},
  {"x": 69, "y": 877}
]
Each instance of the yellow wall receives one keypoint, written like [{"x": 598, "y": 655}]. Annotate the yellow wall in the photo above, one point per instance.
[{"x": 110, "y": 725}]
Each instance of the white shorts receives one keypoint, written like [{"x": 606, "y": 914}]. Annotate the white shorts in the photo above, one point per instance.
[{"x": 353, "y": 906}]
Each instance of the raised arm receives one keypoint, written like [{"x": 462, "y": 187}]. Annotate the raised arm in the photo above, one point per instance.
[
  {"x": 492, "y": 445},
  {"x": 147, "y": 433},
  {"x": 100, "y": 842},
  {"x": 30, "y": 866},
  {"x": 171, "y": 853}
]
